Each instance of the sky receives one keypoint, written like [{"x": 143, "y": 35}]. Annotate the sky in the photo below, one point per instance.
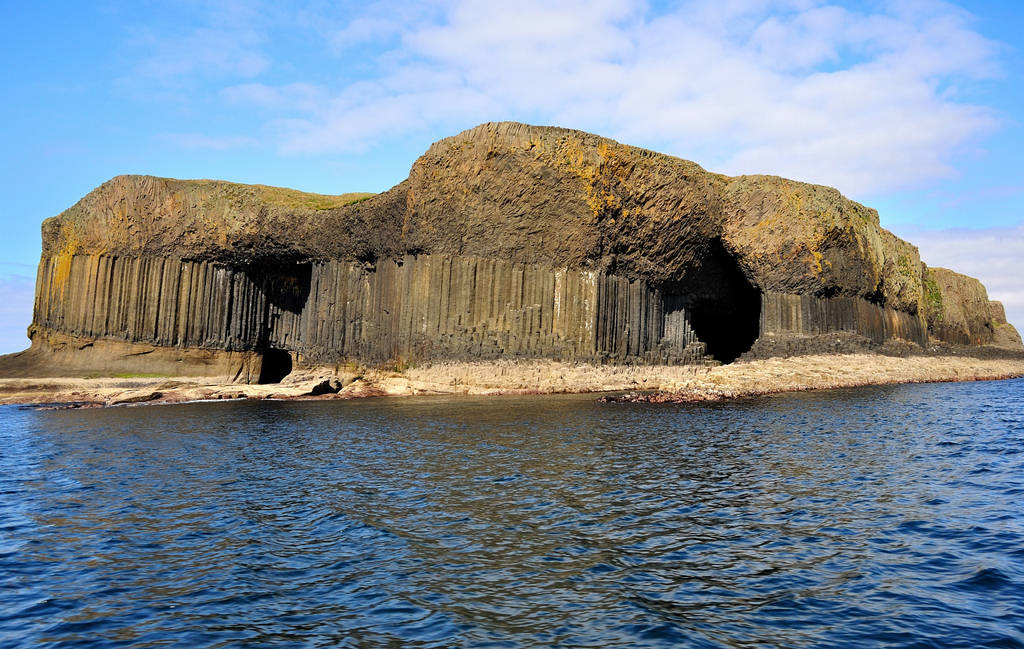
[{"x": 913, "y": 107}]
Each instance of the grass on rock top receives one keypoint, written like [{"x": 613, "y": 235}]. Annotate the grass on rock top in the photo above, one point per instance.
[
  {"x": 294, "y": 198},
  {"x": 283, "y": 196}
]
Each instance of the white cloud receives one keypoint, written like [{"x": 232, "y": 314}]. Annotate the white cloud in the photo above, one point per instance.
[
  {"x": 301, "y": 97},
  {"x": 364, "y": 30},
  {"x": 205, "y": 40},
  {"x": 993, "y": 255},
  {"x": 815, "y": 91},
  {"x": 206, "y": 51}
]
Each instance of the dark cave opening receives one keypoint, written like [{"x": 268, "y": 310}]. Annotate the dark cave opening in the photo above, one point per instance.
[
  {"x": 724, "y": 308},
  {"x": 729, "y": 330},
  {"x": 276, "y": 364}
]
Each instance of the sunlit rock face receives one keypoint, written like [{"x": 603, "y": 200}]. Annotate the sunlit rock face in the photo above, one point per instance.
[{"x": 506, "y": 240}]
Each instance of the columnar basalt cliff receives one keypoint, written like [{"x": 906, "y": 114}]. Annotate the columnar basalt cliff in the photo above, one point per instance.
[{"x": 506, "y": 240}]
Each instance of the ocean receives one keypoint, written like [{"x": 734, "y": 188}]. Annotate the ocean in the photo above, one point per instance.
[{"x": 888, "y": 516}]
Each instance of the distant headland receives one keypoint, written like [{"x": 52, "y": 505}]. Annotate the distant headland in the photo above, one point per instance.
[{"x": 506, "y": 243}]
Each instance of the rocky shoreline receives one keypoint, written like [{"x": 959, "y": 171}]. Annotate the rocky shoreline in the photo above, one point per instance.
[{"x": 639, "y": 383}]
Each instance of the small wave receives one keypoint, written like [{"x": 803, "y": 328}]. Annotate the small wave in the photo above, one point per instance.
[{"x": 986, "y": 579}]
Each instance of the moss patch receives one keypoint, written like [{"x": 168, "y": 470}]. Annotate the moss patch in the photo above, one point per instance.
[{"x": 933, "y": 306}]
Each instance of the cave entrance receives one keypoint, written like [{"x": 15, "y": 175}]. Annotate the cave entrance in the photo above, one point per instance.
[
  {"x": 723, "y": 307},
  {"x": 276, "y": 364}
]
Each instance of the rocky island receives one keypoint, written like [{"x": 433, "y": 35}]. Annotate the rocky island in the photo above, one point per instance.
[{"x": 513, "y": 258}]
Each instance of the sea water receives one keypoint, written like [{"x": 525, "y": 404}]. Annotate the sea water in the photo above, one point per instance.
[{"x": 872, "y": 517}]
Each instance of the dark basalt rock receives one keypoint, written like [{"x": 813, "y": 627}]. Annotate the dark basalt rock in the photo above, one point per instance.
[{"x": 505, "y": 240}]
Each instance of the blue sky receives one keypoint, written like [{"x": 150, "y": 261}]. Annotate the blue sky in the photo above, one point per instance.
[{"x": 914, "y": 107}]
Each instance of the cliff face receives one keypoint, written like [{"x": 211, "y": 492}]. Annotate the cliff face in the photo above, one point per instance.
[
  {"x": 527, "y": 194},
  {"x": 579, "y": 200},
  {"x": 209, "y": 220},
  {"x": 505, "y": 240},
  {"x": 427, "y": 306},
  {"x": 1006, "y": 336},
  {"x": 958, "y": 311}
]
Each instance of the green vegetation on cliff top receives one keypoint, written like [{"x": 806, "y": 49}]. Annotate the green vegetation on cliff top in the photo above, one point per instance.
[
  {"x": 286, "y": 197},
  {"x": 295, "y": 199}
]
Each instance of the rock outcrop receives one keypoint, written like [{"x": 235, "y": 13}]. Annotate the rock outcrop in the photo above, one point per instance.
[
  {"x": 506, "y": 240},
  {"x": 958, "y": 311}
]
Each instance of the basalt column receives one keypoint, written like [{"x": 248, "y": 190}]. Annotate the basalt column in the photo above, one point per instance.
[
  {"x": 806, "y": 315},
  {"x": 411, "y": 309}
]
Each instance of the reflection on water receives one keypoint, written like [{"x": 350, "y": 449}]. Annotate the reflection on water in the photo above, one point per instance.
[{"x": 873, "y": 517}]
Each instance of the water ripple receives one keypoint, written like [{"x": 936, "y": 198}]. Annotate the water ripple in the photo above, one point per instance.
[{"x": 872, "y": 517}]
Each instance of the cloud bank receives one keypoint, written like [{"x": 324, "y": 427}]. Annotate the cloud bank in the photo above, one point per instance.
[{"x": 867, "y": 100}]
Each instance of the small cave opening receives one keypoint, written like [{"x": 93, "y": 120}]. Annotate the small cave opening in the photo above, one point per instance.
[
  {"x": 723, "y": 307},
  {"x": 276, "y": 364}
]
